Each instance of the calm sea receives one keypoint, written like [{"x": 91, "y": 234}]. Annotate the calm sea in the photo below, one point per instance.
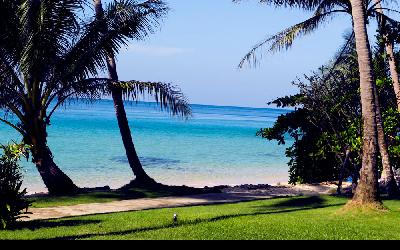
[{"x": 218, "y": 145}]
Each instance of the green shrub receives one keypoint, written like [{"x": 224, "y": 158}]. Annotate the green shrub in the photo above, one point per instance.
[{"x": 13, "y": 205}]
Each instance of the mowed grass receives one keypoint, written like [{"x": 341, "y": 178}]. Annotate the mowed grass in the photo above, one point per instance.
[
  {"x": 95, "y": 197},
  {"x": 283, "y": 218}
]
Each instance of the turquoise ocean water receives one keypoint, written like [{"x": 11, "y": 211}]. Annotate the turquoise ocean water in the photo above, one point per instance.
[{"x": 218, "y": 145}]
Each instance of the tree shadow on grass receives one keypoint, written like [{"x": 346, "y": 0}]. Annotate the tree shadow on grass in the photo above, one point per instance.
[
  {"x": 297, "y": 202},
  {"x": 36, "y": 225},
  {"x": 289, "y": 206}
]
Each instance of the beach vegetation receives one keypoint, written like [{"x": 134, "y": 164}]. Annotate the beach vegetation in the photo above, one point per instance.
[
  {"x": 325, "y": 126},
  {"x": 13, "y": 203},
  {"x": 373, "y": 138}
]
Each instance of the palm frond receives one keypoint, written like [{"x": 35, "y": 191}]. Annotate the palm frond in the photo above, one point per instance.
[
  {"x": 168, "y": 97},
  {"x": 10, "y": 43},
  {"x": 125, "y": 20},
  {"x": 46, "y": 29},
  {"x": 10, "y": 86},
  {"x": 90, "y": 89},
  {"x": 284, "y": 39},
  {"x": 329, "y": 5},
  {"x": 301, "y": 4},
  {"x": 135, "y": 20},
  {"x": 12, "y": 125},
  {"x": 389, "y": 25},
  {"x": 343, "y": 57}
]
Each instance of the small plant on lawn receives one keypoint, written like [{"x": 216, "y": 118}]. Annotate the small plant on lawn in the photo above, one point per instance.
[{"x": 13, "y": 205}]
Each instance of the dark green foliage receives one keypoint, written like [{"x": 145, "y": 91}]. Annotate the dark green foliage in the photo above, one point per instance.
[
  {"x": 13, "y": 205},
  {"x": 288, "y": 101},
  {"x": 308, "y": 162},
  {"x": 390, "y": 114},
  {"x": 325, "y": 126},
  {"x": 392, "y": 130}
]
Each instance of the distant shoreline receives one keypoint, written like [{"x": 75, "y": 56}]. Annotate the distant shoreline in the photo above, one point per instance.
[{"x": 270, "y": 107}]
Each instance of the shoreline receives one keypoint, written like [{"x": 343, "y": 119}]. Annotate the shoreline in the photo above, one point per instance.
[
  {"x": 199, "y": 185},
  {"x": 324, "y": 188},
  {"x": 34, "y": 183},
  {"x": 35, "y": 186}
]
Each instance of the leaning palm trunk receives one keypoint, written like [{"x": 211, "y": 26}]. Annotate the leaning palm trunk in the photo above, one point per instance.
[
  {"x": 123, "y": 123},
  {"x": 367, "y": 192},
  {"x": 56, "y": 181},
  {"x": 388, "y": 181},
  {"x": 141, "y": 176},
  {"x": 345, "y": 162},
  {"x": 393, "y": 71}
]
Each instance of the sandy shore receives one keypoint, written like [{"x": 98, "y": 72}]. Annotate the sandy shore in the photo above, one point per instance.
[
  {"x": 37, "y": 187},
  {"x": 277, "y": 189},
  {"x": 286, "y": 189}
]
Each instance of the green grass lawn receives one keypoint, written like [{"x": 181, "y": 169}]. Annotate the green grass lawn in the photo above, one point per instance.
[
  {"x": 96, "y": 197},
  {"x": 284, "y": 218}
]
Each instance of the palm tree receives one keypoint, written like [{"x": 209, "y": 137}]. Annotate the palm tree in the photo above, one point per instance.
[
  {"x": 141, "y": 176},
  {"x": 367, "y": 192},
  {"x": 323, "y": 11},
  {"x": 47, "y": 55},
  {"x": 388, "y": 180}
]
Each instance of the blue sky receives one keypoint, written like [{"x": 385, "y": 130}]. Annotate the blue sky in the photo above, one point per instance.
[{"x": 201, "y": 42}]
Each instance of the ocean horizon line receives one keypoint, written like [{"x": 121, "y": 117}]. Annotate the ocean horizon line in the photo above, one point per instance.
[{"x": 193, "y": 104}]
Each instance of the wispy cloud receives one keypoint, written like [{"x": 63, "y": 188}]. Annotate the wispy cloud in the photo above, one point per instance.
[{"x": 157, "y": 50}]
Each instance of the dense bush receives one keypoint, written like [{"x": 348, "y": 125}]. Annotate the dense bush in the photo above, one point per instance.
[
  {"x": 13, "y": 205},
  {"x": 325, "y": 127}
]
